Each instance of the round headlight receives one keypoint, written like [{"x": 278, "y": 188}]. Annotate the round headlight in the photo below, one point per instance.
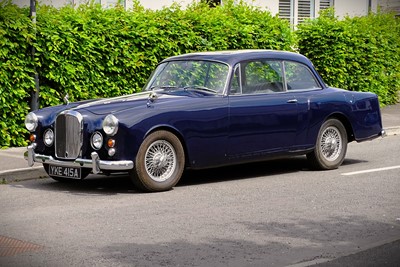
[
  {"x": 48, "y": 137},
  {"x": 110, "y": 125},
  {"x": 31, "y": 121},
  {"x": 96, "y": 140}
]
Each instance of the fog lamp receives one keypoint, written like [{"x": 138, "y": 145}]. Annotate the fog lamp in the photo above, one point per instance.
[
  {"x": 48, "y": 137},
  {"x": 96, "y": 140}
]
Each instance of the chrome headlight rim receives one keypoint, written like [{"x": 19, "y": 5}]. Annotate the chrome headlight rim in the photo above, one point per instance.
[
  {"x": 96, "y": 140},
  {"x": 31, "y": 121},
  {"x": 110, "y": 125},
  {"x": 48, "y": 137}
]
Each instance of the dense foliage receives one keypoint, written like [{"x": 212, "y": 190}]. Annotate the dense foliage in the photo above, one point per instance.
[
  {"x": 91, "y": 52},
  {"x": 16, "y": 71},
  {"x": 358, "y": 54}
]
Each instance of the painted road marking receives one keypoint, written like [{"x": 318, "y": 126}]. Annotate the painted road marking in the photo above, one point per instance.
[{"x": 372, "y": 170}]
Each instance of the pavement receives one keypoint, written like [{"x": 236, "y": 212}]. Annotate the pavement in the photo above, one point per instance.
[{"x": 13, "y": 166}]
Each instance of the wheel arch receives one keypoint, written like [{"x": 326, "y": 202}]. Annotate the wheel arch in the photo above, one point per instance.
[
  {"x": 174, "y": 131},
  {"x": 346, "y": 123}
]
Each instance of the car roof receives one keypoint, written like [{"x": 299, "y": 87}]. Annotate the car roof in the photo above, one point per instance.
[{"x": 232, "y": 57}]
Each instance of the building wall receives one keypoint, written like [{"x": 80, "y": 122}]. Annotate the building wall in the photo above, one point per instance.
[
  {"x": 351, "y": 8},
  {"x": 158, "y": 4},
  {"x": 25, "y": 3},
  {"x": 270, "y": 5},
  {"x": 342, "y": 7},
  {"x": 390, "y": 5}
]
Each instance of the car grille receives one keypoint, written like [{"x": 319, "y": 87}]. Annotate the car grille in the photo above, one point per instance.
[{"x": 68, "y": 134}]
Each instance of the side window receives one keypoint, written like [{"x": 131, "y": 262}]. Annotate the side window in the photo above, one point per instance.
[
  {"x": 262, "y": 76},
  {"x": 299, "y": 77},
  {"x": 216, "y": 76}
]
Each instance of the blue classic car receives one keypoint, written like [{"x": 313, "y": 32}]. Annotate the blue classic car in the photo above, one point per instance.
[{"x": 204, "y": 110}]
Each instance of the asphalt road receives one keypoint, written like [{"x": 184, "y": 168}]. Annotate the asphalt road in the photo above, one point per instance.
[{"x": 276, "y": 213}]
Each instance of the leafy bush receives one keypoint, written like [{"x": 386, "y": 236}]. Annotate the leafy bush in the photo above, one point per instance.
[
  {"x": 91, "y": 52},
  {"x": 16, "y": 71},
  {"x": 94, "y": 52},
  {"x": 358, "y": 54}
]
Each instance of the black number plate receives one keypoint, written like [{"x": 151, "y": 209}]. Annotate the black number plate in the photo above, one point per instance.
[{"x": 65, "y": 172}]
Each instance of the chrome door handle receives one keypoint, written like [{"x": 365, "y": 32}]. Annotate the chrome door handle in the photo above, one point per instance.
[{"x": 292, "y": 101}]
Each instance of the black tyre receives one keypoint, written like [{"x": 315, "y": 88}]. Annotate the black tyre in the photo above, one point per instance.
[
  {"x": 159, "y": 163},
  {"x": 84, "y": 173},
  {"x": 331, "y": 146}
]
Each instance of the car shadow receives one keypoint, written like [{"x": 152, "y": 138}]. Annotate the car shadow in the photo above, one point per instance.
[
  {"x": 352, "y": 162},
  {"x": 121, "y": 183},
  {"x": 244, "y": 171},
  {"x": 92, "y": 185},
  {"x": 251, "y": 170}
]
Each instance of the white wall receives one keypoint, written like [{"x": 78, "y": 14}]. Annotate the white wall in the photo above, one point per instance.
[
  {"x": 26, "y": 3},
  {"x": 158, "y": 4},
  {"x": 392, "y": 5},
  {"x": 342, "y": 7},
  {"x": 351, "y": 8},
  {"x": 270, "y": 5}
]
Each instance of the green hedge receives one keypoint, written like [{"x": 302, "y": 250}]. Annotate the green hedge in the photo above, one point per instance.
[
  {"x": 358, "y": 54},
  {"x": 16, "y": 70},
  {"x": 91, "y": 52}
]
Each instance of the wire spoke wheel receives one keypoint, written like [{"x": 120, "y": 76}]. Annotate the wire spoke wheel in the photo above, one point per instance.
[
  {"x": 331, "y": 143},
  {"x": 331, "y": 146},
  {"x": 160, "y": 160}
]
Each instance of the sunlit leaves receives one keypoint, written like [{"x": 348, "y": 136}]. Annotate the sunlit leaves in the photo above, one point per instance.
[{"x": 358, "y": 54}]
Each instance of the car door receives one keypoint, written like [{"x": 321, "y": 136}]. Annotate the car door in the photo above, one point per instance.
[
  {"x": 307, "y": 91},
  {"x": 262, "y": 114}
]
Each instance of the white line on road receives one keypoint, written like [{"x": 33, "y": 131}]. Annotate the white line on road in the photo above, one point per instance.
[{"x": 372, "y": 170}]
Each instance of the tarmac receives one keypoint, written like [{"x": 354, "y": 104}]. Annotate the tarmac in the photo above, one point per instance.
[{"x": 13, "y": 166}]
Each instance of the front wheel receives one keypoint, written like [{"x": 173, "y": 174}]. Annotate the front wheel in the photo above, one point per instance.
[
  {"x": 159, "y": 163},
  {"x": 331, "y": 146}
]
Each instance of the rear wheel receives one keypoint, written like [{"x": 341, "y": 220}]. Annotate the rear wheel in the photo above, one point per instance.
[
  {"x": 84, "y": 173},
  {"x": 331, "y": 146},
  {"x": 159, "y": 163}
]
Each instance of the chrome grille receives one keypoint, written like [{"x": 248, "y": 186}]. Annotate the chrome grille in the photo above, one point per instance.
[{"x": 68, "y": 134}]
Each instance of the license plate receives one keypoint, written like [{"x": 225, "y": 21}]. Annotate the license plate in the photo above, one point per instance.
[{"x": 65, "y": 172}]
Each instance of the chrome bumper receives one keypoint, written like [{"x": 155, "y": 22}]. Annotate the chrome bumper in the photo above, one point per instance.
[{"x": 96, "y": 164}]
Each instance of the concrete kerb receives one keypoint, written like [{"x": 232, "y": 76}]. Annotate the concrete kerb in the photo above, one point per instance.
[
  {"x": 21, "y": 174},
  {"x": 392, "y": 130},
  {"x": 37, "y": 172}
]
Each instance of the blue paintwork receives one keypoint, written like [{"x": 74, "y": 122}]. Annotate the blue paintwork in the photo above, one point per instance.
[{"x": 225, "y": 129}]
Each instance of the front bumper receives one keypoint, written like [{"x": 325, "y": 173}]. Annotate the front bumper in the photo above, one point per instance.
[{"x": 95, "y": 163}]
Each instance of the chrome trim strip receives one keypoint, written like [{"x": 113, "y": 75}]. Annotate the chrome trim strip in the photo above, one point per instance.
[{"x": 95, "y": 163}]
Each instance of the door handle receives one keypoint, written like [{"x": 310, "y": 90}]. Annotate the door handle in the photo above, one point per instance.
[{"x": 292, "y": 101}]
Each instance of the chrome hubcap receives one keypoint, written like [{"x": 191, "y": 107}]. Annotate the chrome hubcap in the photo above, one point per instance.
[
  {"x": 160, "y": 160},
  {"x": 331, "y": 143}
]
